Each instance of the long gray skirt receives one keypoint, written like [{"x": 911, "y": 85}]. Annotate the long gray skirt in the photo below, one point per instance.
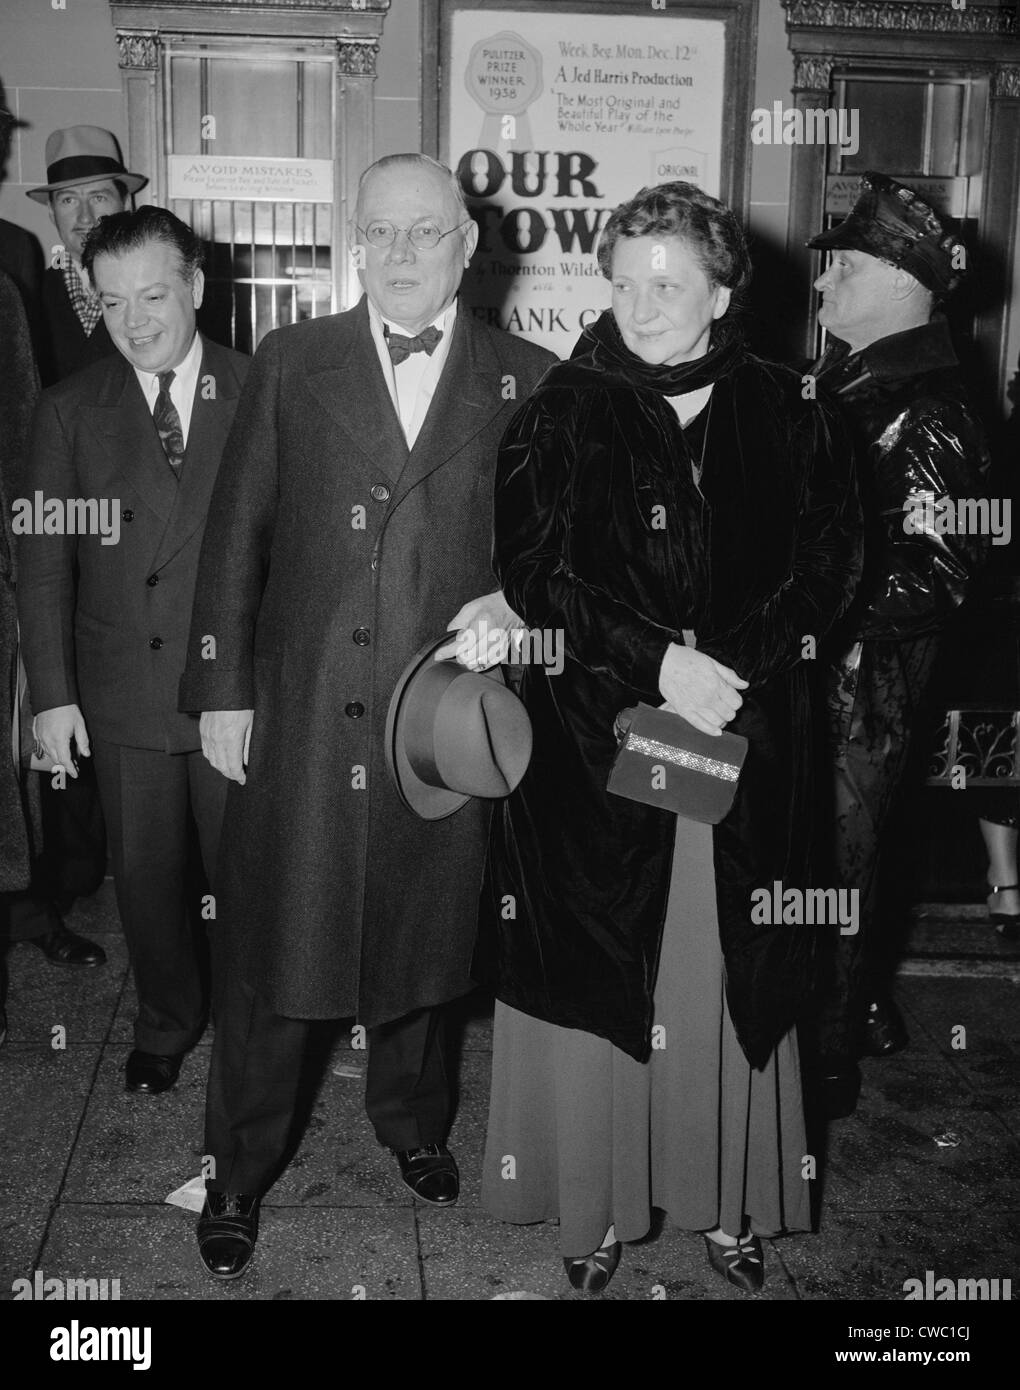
[{"x": 581, "y": 1133}]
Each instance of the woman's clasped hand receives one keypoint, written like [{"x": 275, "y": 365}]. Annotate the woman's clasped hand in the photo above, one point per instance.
[{"x": 704, "y": 691}]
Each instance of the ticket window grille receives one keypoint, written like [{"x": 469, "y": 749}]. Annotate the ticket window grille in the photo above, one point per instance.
[
  {"x": 268, "y": 263},
  {"x": 926, "y": 130}
]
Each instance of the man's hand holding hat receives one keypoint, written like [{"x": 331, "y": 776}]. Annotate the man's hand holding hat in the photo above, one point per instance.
[{"x": 483, "y": 629}]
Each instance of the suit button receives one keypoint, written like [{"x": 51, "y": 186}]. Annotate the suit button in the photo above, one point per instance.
[
  {"x": 127, "y": 514},
  {"x": 155, "y": 643},
  {"x": 381, "y": 493},
  {"x": 152, "y": 580},
  {"x": 361, "y": 636},
  {"x": 354, "y": 710}
]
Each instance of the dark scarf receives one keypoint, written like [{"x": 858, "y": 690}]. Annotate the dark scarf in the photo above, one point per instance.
[{"x": 601, "y": 348}]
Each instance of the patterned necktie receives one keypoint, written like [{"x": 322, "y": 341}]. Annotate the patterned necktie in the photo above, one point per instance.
[
  {"x": 401, "y": 347},
  {"x": 168, "y": 424}
]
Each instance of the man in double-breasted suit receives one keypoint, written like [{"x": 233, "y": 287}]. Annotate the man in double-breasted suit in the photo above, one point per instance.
[
  {"x": 123, "y": 459},
  {"x": 351, "y": 524}
]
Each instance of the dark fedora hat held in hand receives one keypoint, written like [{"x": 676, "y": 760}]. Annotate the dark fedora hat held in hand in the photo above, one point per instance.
[
  {"x": 83, "y": 154},
  {"x": 453, "y": 734}
]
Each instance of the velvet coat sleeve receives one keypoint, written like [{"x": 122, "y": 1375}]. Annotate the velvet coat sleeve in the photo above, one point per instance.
[
  {"x": 234, "y": 563},
  {"x": 536, "y": 474},
  {"x": 825, "y": 566}
]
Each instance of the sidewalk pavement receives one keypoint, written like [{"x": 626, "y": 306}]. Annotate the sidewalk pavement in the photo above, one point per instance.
[{"x": 924, "y": 1177}]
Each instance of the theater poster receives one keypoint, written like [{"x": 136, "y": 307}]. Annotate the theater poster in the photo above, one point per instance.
[{"x": 550, "y": 120}]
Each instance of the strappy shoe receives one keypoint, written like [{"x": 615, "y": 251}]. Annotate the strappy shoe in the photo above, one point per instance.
[
  {"x": 1006, "y": 924},
  {"x": 592, "y": 1274},
  {"x": 743, "y": 1264}
]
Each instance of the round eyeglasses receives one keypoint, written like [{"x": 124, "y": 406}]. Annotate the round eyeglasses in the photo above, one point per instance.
[{"x": 423, "y": 235}]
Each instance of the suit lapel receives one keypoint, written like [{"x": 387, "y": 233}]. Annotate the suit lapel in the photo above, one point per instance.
[
  {"x": 350, "y": 387},
  {"x": 121, "y": 419},
  {"x": 207, "y": 434},
  {"x": 469, "y": 394}
]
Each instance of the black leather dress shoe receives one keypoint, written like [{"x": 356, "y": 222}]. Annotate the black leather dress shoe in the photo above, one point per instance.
[
  {"x": 431, "y": 1174},
  {"x": 838, "y": 1087},
  {"x": 151, "y": 1074},
  {"x": 227, "y": 1231},
  {"x": 62, "y": 946},
  {"x": 884, "y": 1031}
]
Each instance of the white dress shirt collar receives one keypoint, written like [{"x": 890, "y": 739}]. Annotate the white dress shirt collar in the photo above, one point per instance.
[
  {"x": 182, "y": 388},
  {"x": 413, "y": 383}
]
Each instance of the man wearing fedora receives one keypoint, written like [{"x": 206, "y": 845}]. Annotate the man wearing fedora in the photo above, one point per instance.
[
  {"x": 890, "y": 363},
  {"x": 351, "y": 526},
  {"x": 104, "y": 608},
  {"x": 85, "y": 180}
]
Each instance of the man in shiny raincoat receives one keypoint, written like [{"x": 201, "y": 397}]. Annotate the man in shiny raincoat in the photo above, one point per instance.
[{"x": 891, "y": 365}]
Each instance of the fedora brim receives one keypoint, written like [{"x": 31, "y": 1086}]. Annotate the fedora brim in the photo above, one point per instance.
[
  {"x": 133, "y": 182},
  {"x": 426, "y": 801}
]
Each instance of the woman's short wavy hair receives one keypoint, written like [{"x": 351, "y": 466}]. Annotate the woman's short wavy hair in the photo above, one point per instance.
[{"x": 684, "y": 211}]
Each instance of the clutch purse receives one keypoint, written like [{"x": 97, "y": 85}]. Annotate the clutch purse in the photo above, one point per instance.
[{"x": 665, "y": 761}]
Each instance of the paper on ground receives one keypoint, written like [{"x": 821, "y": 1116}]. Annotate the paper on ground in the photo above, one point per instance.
[{"x": 191, "y": 1196}]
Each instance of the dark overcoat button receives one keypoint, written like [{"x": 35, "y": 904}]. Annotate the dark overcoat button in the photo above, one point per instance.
[
  {"x": 152, "y": 580},
  {"x": 361, "y": 636},
  {"x": 381, "y": 493},
  {"x": 127, "y": 514},
  {"x": 354, "y": 710},
  {"x": 155, "y": 643}
]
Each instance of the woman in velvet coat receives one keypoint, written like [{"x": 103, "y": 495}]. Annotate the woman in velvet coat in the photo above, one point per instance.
[{"x": 662, "y": 483}]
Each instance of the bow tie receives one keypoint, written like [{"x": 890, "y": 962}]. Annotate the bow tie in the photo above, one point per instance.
[{"x": 401, "y": 347}]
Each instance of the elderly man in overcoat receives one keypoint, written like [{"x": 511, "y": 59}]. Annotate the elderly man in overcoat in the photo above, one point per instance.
[{"x": 350, "y": 526}]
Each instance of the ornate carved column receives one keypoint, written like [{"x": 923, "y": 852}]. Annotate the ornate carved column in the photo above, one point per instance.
[
  {"x": 812, "y": 78},
  {"x": 139, "y": 60},
  {"x": 1003, "y": 179},
  {"x": 355, "y": 142}
]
